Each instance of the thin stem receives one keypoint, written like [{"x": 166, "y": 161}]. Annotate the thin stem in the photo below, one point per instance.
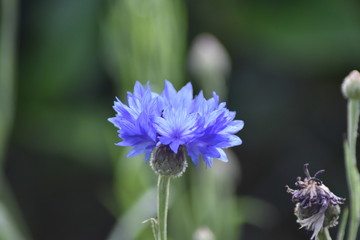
[
  {"x": 324, "y": 234},
  {"x": 351, "y": 168},
  {"x": 342, "y": 227},
  {"x": 327, "y": 234},
  {"x": 154, "y": 227},
  {"x": 353, "y": 121},
  {"x": 163, "y": 202}
]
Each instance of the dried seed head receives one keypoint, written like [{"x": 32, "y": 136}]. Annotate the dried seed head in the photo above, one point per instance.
[{"x": 316, "y": 206}]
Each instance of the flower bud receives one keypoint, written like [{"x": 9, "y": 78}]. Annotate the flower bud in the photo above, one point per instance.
[
  {"x": 210, "y": 63},
  {"x": 167, "y": 163},
  {"x": 351, "y": 85},
  {"x": 203, "y": 233}
]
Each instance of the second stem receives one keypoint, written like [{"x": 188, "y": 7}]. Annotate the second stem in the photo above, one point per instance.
[{"x": 351, "y": 169}]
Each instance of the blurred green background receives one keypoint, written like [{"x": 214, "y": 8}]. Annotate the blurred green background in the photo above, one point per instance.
[{"x": 278, "y": 64}]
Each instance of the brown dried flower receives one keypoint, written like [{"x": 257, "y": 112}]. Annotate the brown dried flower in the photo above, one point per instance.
[{"x": 316, "y": 206}]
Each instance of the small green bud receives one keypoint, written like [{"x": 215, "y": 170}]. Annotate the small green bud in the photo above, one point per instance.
[
  {"x": 351, "y": 85},
  {"x": 167, "y": 163}
]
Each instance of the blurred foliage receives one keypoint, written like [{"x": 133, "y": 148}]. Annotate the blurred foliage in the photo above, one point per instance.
[
  {"x": 63, "y": 53},
  {"x": 144, "y": 42},
  {"x": 288, "y": 59},
  {"x": 11, "y": 221},
  {"x": 205, "y": 198}
]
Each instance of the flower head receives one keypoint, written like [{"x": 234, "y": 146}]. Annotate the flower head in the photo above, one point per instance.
[
  {"x": 174, "y": 119},
  {"x": 316, "y": 206}
]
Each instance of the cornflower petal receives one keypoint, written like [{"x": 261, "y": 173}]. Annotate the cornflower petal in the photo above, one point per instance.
[
  {"x": 178, "y": 100},
  {"x": 169, "y": 91},
  {"x": 223, "y": 156},
  {"x": 184, "y": 97},
  {"x": 234, "y": 126},
  {"x": 139, "y": 89},
  {"x": 134, "y": 120},
  {"x": 174, "y": 119},
  {"x": 175, "y": 127}
]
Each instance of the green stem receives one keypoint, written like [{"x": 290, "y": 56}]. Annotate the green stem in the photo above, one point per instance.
[
  {"x": 353, "y": 121},
  {"x": 324, "y": 234},
  {"x": 163, "y": 202},
  {"x": 327, "y": 234},
  {"x": 154, "y": 228},
  {"x": 343, "y": 222},
  {"x": 351, "y": 169}
]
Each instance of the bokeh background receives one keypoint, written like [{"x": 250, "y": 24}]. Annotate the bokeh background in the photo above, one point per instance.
[{"x": 278, "y": 64}]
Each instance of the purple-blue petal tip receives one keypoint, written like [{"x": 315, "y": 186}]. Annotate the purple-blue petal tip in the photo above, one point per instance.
[{"x": 176, "y": 118}]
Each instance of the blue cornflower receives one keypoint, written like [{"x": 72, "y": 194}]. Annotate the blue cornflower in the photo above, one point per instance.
[{"x": 177, "y": 121}]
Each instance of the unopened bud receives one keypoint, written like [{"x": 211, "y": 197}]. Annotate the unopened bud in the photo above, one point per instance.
[
  {"x": 210, "y": 63},
  {"x": 351, "y": 85},
  {"x": 203, "y": 233},
  {"x": 167, "y": 163}
]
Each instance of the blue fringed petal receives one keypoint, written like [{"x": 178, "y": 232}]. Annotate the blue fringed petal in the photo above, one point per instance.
[{"x": 203, "y": 126}]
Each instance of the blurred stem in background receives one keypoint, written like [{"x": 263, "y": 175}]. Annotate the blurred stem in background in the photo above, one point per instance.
[
  {"x": 210, "y": 64},
  {"x": 351, "y": 90},
  {"x": 144, "y": 41},
  {"x": 11, "y": 223},
  {"x": 7, "y": 70}
]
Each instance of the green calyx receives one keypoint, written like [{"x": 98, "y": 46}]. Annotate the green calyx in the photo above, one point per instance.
[{"x": 167, "y": 163}]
